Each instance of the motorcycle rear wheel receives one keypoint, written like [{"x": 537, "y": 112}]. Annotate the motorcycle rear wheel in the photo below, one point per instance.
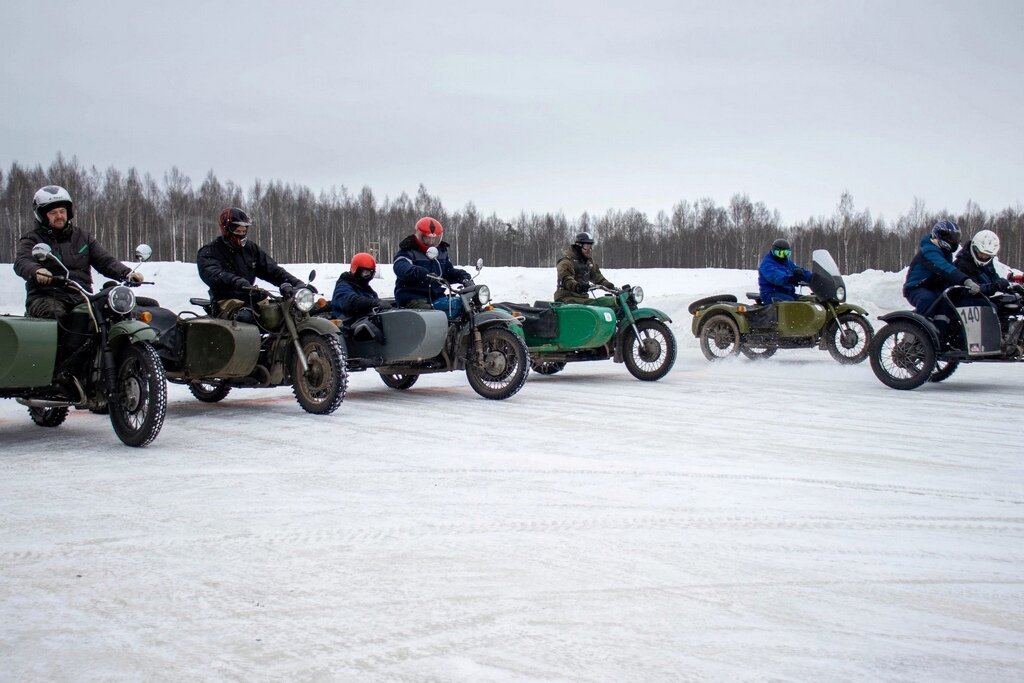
[
  {"x": 322, "y": 388},
  {"x": 943, "y": 369},
  {"x": 400, "y": 382},
  {"x": 210, "y": 390},
  {"x": 547, "y": 368},
  {"x": 48, "y": 417},
  {"x": 902, "y": 355},
  {"x": 649, "y": 356},
  {"x": 758, "y": 352},
  {"x": 505, "y": 366},
  {"x": 138, "y": 409}
]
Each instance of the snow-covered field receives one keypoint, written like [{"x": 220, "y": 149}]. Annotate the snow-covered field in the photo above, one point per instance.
[{"x": 791, "y": 519}]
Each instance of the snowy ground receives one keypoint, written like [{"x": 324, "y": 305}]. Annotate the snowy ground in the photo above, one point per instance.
[{"x": 792, "y": 519}]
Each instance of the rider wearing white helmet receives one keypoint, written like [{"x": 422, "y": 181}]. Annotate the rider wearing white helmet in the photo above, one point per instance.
[{"x": 977, "y": 260}]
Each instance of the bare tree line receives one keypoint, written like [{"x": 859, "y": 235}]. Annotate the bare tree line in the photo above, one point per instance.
[{"x": 298, "y": 226}]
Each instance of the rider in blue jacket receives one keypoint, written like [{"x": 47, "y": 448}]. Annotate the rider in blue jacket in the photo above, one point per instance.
[
  {"x": 777, "y": 276},
  {"x": 413, "y": 265},
  {"x": 353, "y": 295},
  {"x": 932, "y": 269}
]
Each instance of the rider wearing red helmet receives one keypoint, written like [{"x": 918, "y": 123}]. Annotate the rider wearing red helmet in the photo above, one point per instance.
[
  {"x": 353, "y": 295},
  {"x": 421, "y": 254}
]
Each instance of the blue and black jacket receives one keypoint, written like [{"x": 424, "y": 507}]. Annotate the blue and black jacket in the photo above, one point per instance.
[
  {"x": 932, "y": 269},
  {"x": 353, "y": 297},
  {"x": 412, "y": 267},
  {"x": 777, "y": 278}
]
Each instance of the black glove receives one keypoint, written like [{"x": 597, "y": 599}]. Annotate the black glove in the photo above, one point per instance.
[
  {"x": 258, "y": 293},
  {"x": 1002, "y": 284},
  {"x": 418, "y": 272},
  {"x": 286, "y": 290},
  {"x": 582, "y": 287},
  {"x": 382, "y": 305},
  {"x": 796, "y": 278}
]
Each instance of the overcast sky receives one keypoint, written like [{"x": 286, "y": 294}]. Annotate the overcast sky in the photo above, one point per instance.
[{"x": 538, "y": 106}]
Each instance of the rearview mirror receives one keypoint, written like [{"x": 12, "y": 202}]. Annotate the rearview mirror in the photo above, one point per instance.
[
  {"x": 312, "y": 275},
  {"x": 41, "y": 251},
  {"x": 479, "y": 264},
  {"x": 143, "y": 252},
  {"x": 432, "y": 253}
]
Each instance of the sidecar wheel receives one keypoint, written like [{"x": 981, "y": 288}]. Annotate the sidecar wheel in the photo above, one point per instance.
[
  {"x": 848, "y": 338},
  {"x": 652, "y": 354},
  {"x": 758, "y": 352},
  {"x": 505, "y": 366},
  {"x": 138, "y": 407},
  {"x": 943, "y": 369},
  {"x": 549, "y": 368},
  {"x": 210, "y": 390},
  {"x": 48, "y": 417},
  {"x": 400, "y": 382},
  {"x": 902, "y": 356},
  {"x": 719, "y": 337},
  {"x": 321, "y": 389}
]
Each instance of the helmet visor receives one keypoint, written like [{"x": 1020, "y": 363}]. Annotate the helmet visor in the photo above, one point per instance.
[
  {"x": 782, "y": 253},
  {"x": 430, "y": 240}
]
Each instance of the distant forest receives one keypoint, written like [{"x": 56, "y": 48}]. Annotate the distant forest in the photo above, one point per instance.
[{"x": 296, "y": 225}]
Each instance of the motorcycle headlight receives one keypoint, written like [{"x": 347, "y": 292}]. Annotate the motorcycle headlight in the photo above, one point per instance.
[
  {"x": 121, "y": 300},
  {"x": 303, "y": 299},
  {"x": 483, "y": 294},
  {"x": 638, "y": 294},
  {"x": 841, "y": 293}
]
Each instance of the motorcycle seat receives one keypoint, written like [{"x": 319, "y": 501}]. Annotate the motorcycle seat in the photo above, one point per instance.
[
  {"x": 365, "y": 330},
  {"x": 708, "y": 300},
  {"x": 205, "y": 303},
  {"x": 755, "y": 297},
  {"x": 538, "y": 321}
]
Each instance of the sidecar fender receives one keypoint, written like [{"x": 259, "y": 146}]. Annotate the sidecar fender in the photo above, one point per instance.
[
  {"x": 917, "y": 319},
  {"x": 28, "y": 349}
]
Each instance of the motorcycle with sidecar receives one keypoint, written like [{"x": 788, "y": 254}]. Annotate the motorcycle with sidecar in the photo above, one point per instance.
[
  {"x": 822, "y": 319},
  {"x": 559, "y": 333},
  {"x": 97, "y": 357},
  {"x": 284, "y": 347},
  {"x": 403, "y": 343},
  {"x": 909, "y": 350}
]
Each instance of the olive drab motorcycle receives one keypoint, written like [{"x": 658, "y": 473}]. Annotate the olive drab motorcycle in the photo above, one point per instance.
[
  {"x": 97, "y": 357},
  {"x": 284, "y": 347},
  {"x": 559, "y": 333},
  {"x": 402, "y": 344},
  {"x": 910, "y": 350},
  {"x": 823, "y": 319}
]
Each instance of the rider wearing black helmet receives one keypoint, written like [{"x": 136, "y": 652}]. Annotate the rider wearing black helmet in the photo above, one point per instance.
[
  {"x": 74, "y": 247},
  {"x": 778, "y": 276},
  {"x": 577, "y": 271}
]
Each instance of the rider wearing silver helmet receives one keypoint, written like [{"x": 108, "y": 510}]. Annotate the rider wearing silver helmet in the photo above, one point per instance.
[{"x": 54, "y": 212}]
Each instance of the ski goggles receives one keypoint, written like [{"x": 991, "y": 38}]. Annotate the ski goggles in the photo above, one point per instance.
[{"x": 782, "y": 253}]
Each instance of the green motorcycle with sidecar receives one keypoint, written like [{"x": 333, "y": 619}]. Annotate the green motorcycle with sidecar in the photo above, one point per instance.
[
  {"x": 97, "y": 357},
  {"x": 559, "y": 333},
  {"x": 822, "y": 319}
]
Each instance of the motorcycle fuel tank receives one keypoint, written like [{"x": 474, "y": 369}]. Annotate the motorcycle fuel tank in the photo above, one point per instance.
[
  {"x": 28, "y": 348},
  {"x": 220, "y": 348},
  {"x": 800, "y": 318}
]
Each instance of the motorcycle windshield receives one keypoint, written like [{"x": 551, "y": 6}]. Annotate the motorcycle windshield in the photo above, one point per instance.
[{"x": 826, "y": 278}]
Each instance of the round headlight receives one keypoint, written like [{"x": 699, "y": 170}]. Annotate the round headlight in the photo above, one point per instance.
[
  {"x": 841, "y": 293},
  {"x": 121, "y": 300},
  {"x": 483, "y": 294},
  {"x": 303, "y": 299},
  {"x": 638, "y": 294}
]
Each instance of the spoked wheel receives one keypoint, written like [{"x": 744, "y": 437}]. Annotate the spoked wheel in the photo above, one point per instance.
[
  {"x": 547, "y": 368},
  {"x": 210, "y": 390},
  {"x": 321, "y": 388},
  {"x": 400, "y": 382},
  {"x": 943, "y": 369},
  {"x": 719, "y": 337},
  {"x": 650, "y": 351},
  {"x": 505, "y": 366},
  {"x": 758, "y": 352},
  {"x": 139, "y": 403},
  {"x": 848, "y": 338},
  {"x": 902, "y": 355},
  {"x": 48, "y": 417}
]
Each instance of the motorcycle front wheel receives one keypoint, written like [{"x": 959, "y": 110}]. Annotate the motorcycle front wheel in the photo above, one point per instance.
[
  {"x": 320, "y": 389},
  {"x": 902, "y": 355},
  {"x": 505, "y": 364},
  {"x": 48, "y": 417},
  {"x": 650, "y": 350},
  {"x": 848, "y": 338},
  {"x": 140, "y": 402}
]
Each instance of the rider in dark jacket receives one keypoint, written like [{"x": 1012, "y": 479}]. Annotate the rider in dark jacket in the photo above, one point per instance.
[
  {"x": 977, "y": 260},
  {"x": 353, "y": 295},
  {"x": 75, "y": 248},
  {"x": 413, "y": 289},
  {"x": 932, "y": 270},
  {"x": 576, "y": 271},
  {"x": 230, "y": 264},
  {"x": 778, "y": 276}
]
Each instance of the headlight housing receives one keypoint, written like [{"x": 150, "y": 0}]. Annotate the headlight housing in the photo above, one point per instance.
[
  {"x": 303, "y": 299},
  {"x": 121, "y": 300},
  {"x": 638, "y": 294},
  {"x": 483, "y": 294},
  {"x": 841, "y": 293}
]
